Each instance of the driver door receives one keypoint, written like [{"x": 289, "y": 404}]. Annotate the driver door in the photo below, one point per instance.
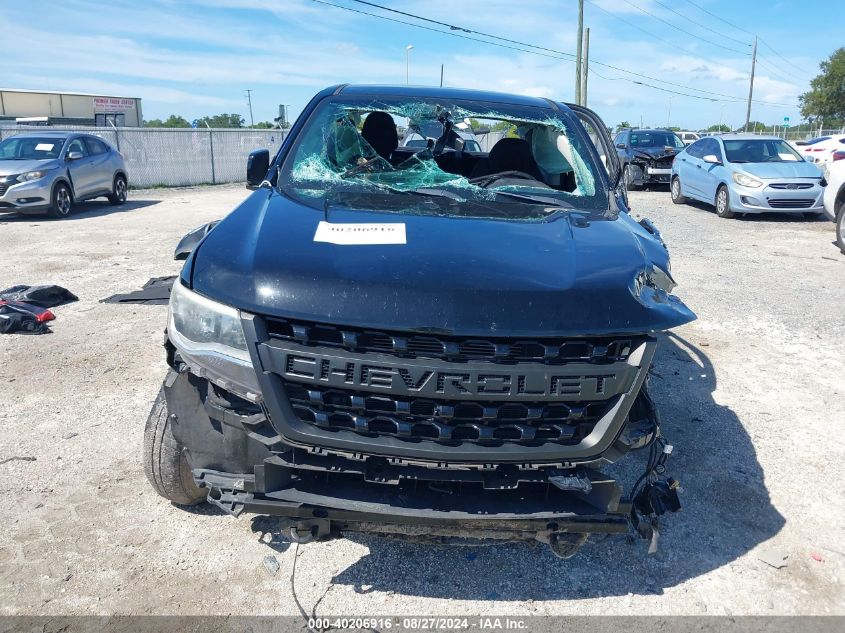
[
  {"x": 606, "y": 150},
  {"x": 82, "y": 171}
]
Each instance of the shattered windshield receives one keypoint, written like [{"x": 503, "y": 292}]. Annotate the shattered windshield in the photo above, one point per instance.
[{"x": 459, "y": 158}]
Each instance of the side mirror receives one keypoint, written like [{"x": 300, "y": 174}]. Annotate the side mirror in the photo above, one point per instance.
[
  {"x": 74, "y": 155},
  {"x": 621, "y": 145},
  {"x": 712, "y": 159},
  {"x": 256, "y": 167}
]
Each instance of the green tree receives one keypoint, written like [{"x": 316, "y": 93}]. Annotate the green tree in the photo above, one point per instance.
[
  {"x": 263, "y": 125},
  {"x": 826, "y": 97},
  {"x": 174, "y": 120},
  {"x": 622, "y": 125},
  {"x": 721, "y": 127},
  {"x": 675, "y": 128},
  {"x": 222, "y": 120}
]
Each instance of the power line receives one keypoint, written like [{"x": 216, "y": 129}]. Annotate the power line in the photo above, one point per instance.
[
  {"x": 464, "y": 33},
  {"x": 779, "y": 74},
  {"x": 639, "y": 28},
  {"x": 721, "y": 19},
  {"x": 784, "y": 58},
  {"x": 699, "y": 24},
  {"x": 690, "y": 33},
  {"x": 739, "y": 28}
]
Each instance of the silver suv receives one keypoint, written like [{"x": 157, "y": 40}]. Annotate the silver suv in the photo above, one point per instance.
[{"x": 52, "y": 171}]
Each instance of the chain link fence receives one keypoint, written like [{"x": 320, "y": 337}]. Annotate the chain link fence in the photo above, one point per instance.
[{"x": 177, "y": 157}]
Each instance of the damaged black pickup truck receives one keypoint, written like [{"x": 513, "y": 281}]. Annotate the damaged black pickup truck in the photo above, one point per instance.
[
  {"x": 425, "y": 343},
  {"x": 646, "y": 156}
]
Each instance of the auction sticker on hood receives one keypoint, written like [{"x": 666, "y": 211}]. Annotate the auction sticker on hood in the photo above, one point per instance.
[{"x": 361, "y": 234}]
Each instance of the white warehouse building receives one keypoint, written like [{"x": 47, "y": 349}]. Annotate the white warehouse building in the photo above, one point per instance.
[{"x": 41, "y": 107}]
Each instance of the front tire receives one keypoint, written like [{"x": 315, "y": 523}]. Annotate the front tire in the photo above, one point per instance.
[
  {"x": 723, "y": 203},
  {"x": 166, "y": 461},
  {"x": 840, "y": 228},
  {"x": 675, "y": 190},
  {"x": 629, "y": 179},
  {"x": 61, "y": 203},
  {"x": 120, "y": 190}
]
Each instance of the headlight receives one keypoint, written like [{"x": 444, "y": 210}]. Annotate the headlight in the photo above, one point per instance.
[
  {"x": 210, "y": 339},
  {"x": 746, "y": 180},
  {"x": 206, "y": 324},
  {"x": 33, "y": 175}
]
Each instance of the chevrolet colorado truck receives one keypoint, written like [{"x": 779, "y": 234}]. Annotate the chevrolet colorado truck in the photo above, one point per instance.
[{"x": 432, "y": 343}]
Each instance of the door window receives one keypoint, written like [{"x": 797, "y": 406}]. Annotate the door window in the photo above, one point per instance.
[
  {"x": 76, "y": 145},
  {"x": 95, "y": 146},
  {"x": 695, "y": 150}
]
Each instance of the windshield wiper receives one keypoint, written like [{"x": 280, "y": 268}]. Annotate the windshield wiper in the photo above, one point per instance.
[
  {"x": 529, "y": 198},
  {"x": 434, "y": 193}
]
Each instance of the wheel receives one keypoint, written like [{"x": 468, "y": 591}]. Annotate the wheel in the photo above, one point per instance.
[
  {"x": 840, "y": 229},
  {"x": 723, "y": 203},
  {"x": 62, "y": 202},
  {"x": 629, "y": 179},
  {"x": 675, "y": 190},
  {"x": 165, "y": 460},
  {"x": 119, "y": 190}
]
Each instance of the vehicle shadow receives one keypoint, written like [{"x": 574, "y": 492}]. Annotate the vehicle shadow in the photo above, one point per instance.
[
  {"x": 726, "y": 512},
  {"x": 85, "y": 210}
]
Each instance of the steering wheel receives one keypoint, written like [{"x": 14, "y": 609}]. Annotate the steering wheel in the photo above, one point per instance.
[{"x": 360, "y": 167}]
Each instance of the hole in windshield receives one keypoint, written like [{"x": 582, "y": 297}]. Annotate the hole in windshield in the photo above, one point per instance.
[{"x": 445, "y": 159}]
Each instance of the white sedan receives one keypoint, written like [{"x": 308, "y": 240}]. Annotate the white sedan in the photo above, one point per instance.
[
  {"x": 820, "y": 150},
  {"x": 834, "y": 198}
]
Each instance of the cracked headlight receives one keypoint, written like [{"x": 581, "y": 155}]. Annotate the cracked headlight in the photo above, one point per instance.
[
  {"x": 746, "y": 181},
  {"x": 211, "y": 340},
  {"x": 33, "y": 175}
]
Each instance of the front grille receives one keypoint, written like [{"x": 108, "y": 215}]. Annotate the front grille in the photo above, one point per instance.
[
  {"x": 791, "y": 185},
  {"x": 3, "y": 189},
  {"x": 456, "y": 349},
  {"x": 663, "y": 164},
  {"x": 791, "y": 203},
  {"x": 418, "y": 419},
  {"x": 439, "y": 397}
]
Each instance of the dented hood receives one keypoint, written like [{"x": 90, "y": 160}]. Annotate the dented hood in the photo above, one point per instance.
[
  {"x": 564, "y": 275},
  {"x": 654, "y": 153}
]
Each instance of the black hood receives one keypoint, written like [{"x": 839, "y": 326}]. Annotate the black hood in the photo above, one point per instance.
[
  {"x": 563, "y": 275},
  {"x": 655, "y": 153}
]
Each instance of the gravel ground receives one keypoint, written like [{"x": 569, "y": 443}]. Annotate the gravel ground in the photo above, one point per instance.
[{"x": 751, "y": 395}]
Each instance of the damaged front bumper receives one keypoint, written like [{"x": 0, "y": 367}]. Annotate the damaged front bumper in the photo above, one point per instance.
[{"x": 246, "y": 467}]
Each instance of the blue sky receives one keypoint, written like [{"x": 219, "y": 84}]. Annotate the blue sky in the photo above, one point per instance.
[{"x": 197, "y": 57}]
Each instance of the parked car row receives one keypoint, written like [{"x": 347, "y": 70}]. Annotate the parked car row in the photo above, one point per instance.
[{"x": 53, "y": 171}]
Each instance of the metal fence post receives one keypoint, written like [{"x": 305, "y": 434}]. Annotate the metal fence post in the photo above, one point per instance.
[{"x": 211, "y": 146}]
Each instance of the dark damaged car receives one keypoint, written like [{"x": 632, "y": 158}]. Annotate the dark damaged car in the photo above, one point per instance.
[
  {"x": 422, "y": 342},
  {"x": 647, "y": 156}
]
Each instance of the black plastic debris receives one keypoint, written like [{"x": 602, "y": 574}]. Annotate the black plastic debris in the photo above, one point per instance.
[
  {"x": 155, "y": 292},
  {"x": 191, "y": 239},
  {"x": 25, "y": 309}
]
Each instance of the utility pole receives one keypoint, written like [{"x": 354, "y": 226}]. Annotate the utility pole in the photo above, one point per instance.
[
  {"x": 249, "y": 100},
  {"x": 586, "y": 69},
  {"x": 408, "y": 63},
  {"x": 751, "y": 87},
  {"x": 578, "y": 52},
  {"x": 441, "y": 75}
]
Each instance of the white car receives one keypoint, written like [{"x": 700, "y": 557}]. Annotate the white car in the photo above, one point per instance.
[
  {"x": 834, "y": 198},
  {"x": 689, "y": 137},
  {"x": 820, "y": 150}
]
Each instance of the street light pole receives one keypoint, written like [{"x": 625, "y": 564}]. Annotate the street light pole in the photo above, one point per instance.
[
  {"x": 669, "y": 115},
  {"x": 408, "y": 63}
]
